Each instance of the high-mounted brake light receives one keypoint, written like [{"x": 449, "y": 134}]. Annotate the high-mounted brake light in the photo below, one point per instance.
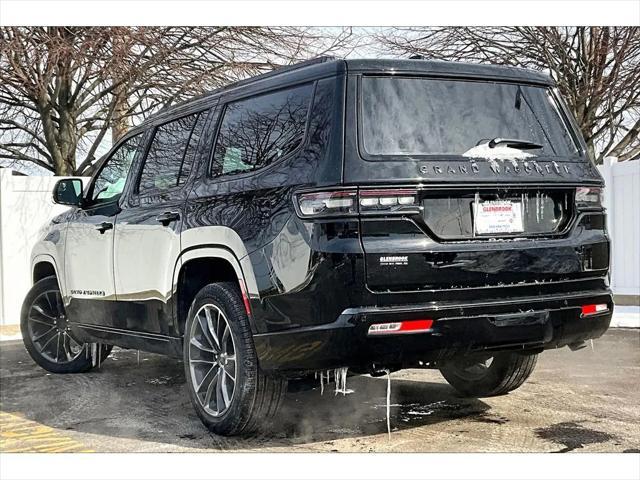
[
  {"x": 589, "y": 197},
  {"x": 388, "y": 201},
  {"x": 408, "y": 326},
  {"x": 326, "y": 204},
  {"x": 594, "y": 309}
]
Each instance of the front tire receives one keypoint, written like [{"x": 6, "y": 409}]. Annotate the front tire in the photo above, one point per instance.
[
  {"x": 47, "y": 336},
  {"x": 486, "y": 376},
  {"x": 229, "y": 392}
]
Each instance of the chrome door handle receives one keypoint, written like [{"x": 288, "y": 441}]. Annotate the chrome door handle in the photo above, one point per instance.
[
  {"x": 167, "y": 217},
  {"x": 104, "y": 226}
]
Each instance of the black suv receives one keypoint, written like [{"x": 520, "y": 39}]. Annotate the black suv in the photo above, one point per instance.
[{"x": 364, "y": 214}]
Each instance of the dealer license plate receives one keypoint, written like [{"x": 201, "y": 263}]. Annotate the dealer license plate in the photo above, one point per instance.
[{"x": 497, "y": 216}]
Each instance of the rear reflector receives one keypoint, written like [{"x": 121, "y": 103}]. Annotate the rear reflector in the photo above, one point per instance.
[
  {"x": 594, "y": 309},
  {"x": 245, "y": 299},
  {"x": 409, "y": 326}
]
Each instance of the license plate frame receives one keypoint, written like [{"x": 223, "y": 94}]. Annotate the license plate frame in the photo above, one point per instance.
[{"x": 496, "y": 217}]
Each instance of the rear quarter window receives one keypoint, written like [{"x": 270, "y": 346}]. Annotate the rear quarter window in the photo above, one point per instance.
[{"x": 260, "y": 130}]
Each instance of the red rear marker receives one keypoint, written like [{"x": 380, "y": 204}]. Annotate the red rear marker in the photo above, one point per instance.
[
  {"x": 408, "y": 326},
  {"x": 594, "y": 308},
  {"x": 416, "y": 325},
  {"x": 245, "y": 299}
]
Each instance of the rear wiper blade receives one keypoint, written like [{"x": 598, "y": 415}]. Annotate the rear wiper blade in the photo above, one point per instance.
[{"x": 514, "y": 143}]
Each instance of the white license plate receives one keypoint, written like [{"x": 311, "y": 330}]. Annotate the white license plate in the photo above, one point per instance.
[{"x": 497, "y": 216}]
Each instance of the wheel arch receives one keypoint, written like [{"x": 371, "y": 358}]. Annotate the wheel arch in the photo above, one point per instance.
[
  {"x": 199, "y": 266},
  {"x": 43, "y": 266}
]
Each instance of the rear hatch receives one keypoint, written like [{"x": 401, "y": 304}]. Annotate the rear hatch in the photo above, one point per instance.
[
  {"x": 466, "y": 183},
  {"x": 471, "y": 238}
]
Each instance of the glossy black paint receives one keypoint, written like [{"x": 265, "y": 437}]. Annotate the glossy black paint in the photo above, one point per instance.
[
  {"x": 320, "y": 283},
  {"x": 459, "y": 328},
  {"x": 433, "y": 265}
]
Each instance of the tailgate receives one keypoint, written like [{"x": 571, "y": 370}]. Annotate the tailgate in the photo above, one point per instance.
[{"x": 441, "y": 248}]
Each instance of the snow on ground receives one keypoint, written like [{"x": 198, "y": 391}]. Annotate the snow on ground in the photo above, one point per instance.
[
  {"x": 626, "y": 316},
  {"x": 6, "y": 338}
]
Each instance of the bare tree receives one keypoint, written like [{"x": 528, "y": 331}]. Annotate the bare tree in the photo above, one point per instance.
[
  {"x": 597, "y": 70},
  {"x": 66, "y": 91}
]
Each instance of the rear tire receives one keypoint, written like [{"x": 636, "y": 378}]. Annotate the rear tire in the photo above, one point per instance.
[
  {"x": 477, "y": 377},
  {"x": 229, "y": 392},
  {"x": 46, "y": 334}
]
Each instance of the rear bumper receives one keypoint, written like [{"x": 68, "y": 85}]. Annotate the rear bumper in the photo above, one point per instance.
[{"x": 524, "y": 323}]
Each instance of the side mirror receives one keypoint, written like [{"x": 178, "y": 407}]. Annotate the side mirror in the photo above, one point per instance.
[{"x": 68, "y": 191}]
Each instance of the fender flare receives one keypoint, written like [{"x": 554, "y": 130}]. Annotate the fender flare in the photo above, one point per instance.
[
  {"x": 46, "y": 258},
  {"x": 242, "y": 267}
]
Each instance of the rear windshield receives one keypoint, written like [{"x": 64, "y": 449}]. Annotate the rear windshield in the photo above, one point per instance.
[{"x": 419, "y": 117}]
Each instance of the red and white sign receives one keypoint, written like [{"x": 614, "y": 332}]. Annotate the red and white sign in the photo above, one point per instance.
[{"x": 498, "y": 216}]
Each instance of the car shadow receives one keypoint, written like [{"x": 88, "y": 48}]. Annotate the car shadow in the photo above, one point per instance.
[{"x": 147, "y": 400}]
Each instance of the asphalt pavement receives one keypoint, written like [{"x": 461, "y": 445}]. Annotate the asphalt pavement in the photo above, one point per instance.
[{"x": 584, "y": 401}]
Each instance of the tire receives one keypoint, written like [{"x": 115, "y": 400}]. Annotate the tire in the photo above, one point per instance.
[
  {"x": 229, "y": 392},
  {"x": 46, "y": 334},
  {"x": 472, "y": 377}
]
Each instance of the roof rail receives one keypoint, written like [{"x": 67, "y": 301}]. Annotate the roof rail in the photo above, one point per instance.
[
  {"x": 305, "y": 63},
  {"x": 244, "y": 81},
  {"x": 275, "y": 71}
]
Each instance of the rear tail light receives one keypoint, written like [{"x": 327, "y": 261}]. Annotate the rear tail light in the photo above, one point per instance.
[
  {"x": 594, "y": 309},
  {"x": 388, "y": 201},
  {"x": 349, "y": 202},
  {"x": 408, "y": 326},
  {"x": 589, "y": 197},
  {"x": 327, "y": 204}
]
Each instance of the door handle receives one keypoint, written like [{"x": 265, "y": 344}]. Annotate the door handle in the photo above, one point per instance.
[
  {"x": 167, "y": 217},
  {"x": 104, "y": 226}
]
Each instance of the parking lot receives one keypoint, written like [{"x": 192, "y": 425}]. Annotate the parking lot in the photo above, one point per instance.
[{"x": 575, "y": 401}]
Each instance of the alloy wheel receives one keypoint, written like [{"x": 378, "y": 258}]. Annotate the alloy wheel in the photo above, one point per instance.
[
  {"x": 49, "y": 329},
  {"x": 212, "y": 360}
]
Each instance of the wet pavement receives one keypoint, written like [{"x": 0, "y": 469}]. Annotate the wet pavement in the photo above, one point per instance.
[{"x": 585, "y": 401}]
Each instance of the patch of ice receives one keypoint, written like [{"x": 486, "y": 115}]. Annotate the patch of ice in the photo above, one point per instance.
[
  {"x": 417, "y": 412},
  {"x": 389, "y": 404},
  {"x": 162, "y": 380},
  {"x": 322, "y": 378},
  {"x": 340, "y": 375},
  {"x": 94, "y": 354}
]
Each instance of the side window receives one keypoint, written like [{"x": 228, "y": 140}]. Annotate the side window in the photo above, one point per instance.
[
  {"x": 167, "y": 156},
  {"x": 109, "y": 183},
  {"x": 259, "y": 130},
  {"x": 192, "y": 146}
]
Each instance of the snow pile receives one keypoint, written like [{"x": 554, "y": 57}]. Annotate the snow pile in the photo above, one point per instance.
[
  {"x": 626, "y": 316},
  {"x": 499, "y": 152}
]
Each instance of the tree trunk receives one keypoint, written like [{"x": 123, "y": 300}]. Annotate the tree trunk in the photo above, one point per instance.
[
  {"x": 120, "y": 123},
  {"x": 67, "y": 134},
  {"x": 591, "y": 152}
]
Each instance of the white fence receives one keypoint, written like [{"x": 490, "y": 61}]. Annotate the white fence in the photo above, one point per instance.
[
  {"x": 25, "y": 206},
  {"x": 622, "y": 199}
]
